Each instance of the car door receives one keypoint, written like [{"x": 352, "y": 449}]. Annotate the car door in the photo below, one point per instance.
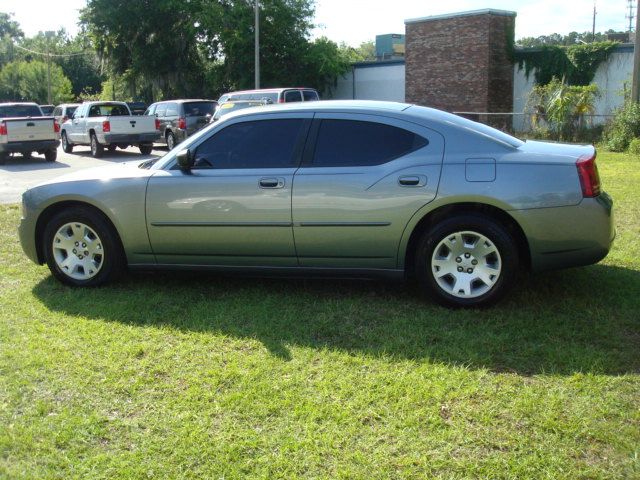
[
  {"x": 361, "y": 180},
  {"x": 234, "y": 207},
  {"x": 77, "y": 127}
]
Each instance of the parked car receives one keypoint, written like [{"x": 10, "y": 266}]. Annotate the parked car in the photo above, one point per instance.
[
  {"x": 181, "y": 118},
  {"x": 47, "y": 110},
  {"x": 273, "y": 95},
  {"x": 111, "y": 125},
  {"x": 137, "y": 108},
  {"x": 23, "y": 129},
  {"x": 334, "y": 188},
  {"x": 64, "y": 112},
  {"x": 229, "y": 107}
]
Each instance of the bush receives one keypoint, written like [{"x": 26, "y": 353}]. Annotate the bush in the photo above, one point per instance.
[
  {"x": 634, "y": 146},
  {"x": 624, "y": 127}
]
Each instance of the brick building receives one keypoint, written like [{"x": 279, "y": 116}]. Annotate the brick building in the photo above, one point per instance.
[{"x": 461, "y": 61}]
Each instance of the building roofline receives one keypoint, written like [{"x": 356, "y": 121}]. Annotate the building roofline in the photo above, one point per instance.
[{"x": 470, "y": 13}]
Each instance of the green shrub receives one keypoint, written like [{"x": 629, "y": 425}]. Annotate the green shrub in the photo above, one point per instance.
[
  {"x": 624, "y": 127},
  {"x": 634, "y": 146}
]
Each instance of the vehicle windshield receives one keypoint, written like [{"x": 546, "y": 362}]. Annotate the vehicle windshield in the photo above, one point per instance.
[
  {"x": 199, "y": 109},
  {"x": 229, "y": 107},
  {"x": 20, "y": 111},
  {"x": 108, "y": 110}
]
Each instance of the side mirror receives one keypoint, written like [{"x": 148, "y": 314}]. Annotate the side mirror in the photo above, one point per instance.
[{"x": 185, "y": 160}]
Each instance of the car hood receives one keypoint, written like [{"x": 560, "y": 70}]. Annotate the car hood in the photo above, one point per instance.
[{"x": 103, "y": 173}]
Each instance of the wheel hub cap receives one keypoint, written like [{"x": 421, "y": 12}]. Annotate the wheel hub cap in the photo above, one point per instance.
[
  {"x": 466, "y": 264},
  {"x": 78, "y": 251}
]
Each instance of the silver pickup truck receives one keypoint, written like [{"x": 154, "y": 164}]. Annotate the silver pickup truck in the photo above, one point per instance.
[
  {"x": 110, "y": 125},
  {"x": 24, "y": 130}
]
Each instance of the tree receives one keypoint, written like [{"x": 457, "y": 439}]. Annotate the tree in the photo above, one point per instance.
[
  {"x": 572, "y": 38},
  {"x": 27, "y": 81},
  {"x": 9, "y": 32}
]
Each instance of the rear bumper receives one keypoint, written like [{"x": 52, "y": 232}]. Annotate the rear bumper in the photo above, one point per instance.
[
  {"x": 29, "y": 146},
  {"x": 569, "y": 236},
  {"x": 130, "y": 139}
]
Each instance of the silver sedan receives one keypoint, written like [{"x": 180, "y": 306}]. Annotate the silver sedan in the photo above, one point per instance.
[{"x": 332, "y": 188}]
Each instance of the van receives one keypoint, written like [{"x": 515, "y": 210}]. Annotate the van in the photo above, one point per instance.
[{"x": 273, "y": 95}]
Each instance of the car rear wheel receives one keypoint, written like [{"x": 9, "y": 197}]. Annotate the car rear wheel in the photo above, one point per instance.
[
  {"x": 467, "y": 261},
  {"x": 81, "y": 248},
  {"x": 51, "y": 155},
  {"x": 66, "y": 146},
  {"x": 96, "y": 148},
  {"x": 171, "y": 140},
  {"x": 146, "y": 149}
]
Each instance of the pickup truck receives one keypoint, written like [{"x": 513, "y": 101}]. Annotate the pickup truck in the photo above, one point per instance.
[
  {"x": 110, "y": 125},
  {"x": 24, "y": 130}
]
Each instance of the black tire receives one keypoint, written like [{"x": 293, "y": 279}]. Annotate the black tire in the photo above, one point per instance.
[
  {"x": 113, "y": 259},
  {"x": 146, "y": 149},
  {"x": 96, "y": 149},
  {"x": 27, "y": 155},
  {"x": 499, "y": 239},
  {"x": 51, "y": 155},
  {"x": 112, "y": 148},
  {"x": 3, "y": 158},
  {"x": 171, "y": 140},
  {"x": 67, "y": 147}
]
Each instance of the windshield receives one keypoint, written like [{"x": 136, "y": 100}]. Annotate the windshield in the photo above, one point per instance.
[
  {"x": 229, "y": 107},
  {"x": 199, "y": 109},
  {"x": 20, "y": 111},
  {"x": 70, "y": 111}
]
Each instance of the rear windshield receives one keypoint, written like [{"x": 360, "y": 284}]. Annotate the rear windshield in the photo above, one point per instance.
[
  {"x": 108, "y": 110},
  {"x": 265, "y": 97},
  {"x": 20, "y": 111},
  {"x": 199, "y": 109}
]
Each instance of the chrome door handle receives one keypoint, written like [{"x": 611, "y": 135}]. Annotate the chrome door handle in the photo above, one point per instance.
[
  {"x": 271, "y": 182},
  {"x": 412, "y": 180}
]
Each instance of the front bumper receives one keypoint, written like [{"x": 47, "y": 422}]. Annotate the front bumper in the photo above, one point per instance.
[
  {"x": 569, "y": 236},
  {"x": 128, "y": 138},
  {"x": 27, "y": 234},
  {"x": 29, "y": 146}
]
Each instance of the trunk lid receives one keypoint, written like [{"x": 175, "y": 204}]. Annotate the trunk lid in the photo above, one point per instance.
[
  {"x": 29, "y": 129},
  {"x": 132, "y": 124},
  {"x": 549, "y": 152}
]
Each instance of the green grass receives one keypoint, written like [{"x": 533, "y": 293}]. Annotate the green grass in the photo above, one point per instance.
[{"x": 182, "y": 376}]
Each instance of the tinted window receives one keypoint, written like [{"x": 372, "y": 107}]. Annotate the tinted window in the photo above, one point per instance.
[
  {"x": 199, "y": 109},
  {"x": 70, "y": 111},
  {"x": 257, "y": 144},
  {"x": 172, "y": 110},
  {"x": 310, "y": 95},
  {"x": 344, "y": 143},
  {"x": 108, "y": 110},
  {"x": 292, "y": 96},
  {"x": 20, "y": 111}
]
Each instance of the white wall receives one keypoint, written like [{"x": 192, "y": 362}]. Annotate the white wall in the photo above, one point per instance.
[
  {"x": 610, "y": 78},
  {"x": 372, "y": 82}
]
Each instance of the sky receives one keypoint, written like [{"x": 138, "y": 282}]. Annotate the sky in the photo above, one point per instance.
[{"x": 356, "y": 21}]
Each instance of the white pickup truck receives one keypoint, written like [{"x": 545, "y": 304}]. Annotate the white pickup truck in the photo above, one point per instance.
[
  {"x": 24, "y": 130},
  {"x": 110, "y": 125}
]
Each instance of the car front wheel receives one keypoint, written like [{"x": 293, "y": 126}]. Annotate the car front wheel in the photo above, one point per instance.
[
  {"x": 81, "y": 248},
  {"x": 66, "y": 146},
  {"x": 467, "y": 261},
  {"x": 96, "y": 148}
]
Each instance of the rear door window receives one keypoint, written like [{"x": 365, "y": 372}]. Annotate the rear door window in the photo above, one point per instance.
[
  {"x": 254, "y": 144},
  {"x": 172, "y": 110},
  {"x": 292, "y": 96},
  {"x": 344, "y": 143}
]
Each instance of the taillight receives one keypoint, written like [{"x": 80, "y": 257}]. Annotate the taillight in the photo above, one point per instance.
[
  {"x": 157, "y": 124},
  {"x": 589, "y": 177},
  {"x": 281, "y": 100},
  {"x": 56, "y": 126},
  {"x": 106, "y": 126},
  {"x": 182, "y": 123},
  {"x": 3, "y": 128}
]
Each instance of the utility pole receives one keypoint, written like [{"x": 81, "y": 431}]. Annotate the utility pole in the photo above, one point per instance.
[
  {"x": 48, "y": 36},
  {"x": 593, "y": 28},
  {"x": 635, "y": 88},
  {"x": 257, "y": 48}
]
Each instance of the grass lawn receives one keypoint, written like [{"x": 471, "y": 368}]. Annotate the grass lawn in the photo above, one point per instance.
[{"x": 183, "y": 376}]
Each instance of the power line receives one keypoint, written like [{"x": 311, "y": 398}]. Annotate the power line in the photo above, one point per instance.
[
  {"x": 630, "y": 15},
  {"x": 44, "y": 54}
]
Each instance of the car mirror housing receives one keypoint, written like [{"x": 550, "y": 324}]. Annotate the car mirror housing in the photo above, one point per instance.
[{"x": 185, "y": 160}]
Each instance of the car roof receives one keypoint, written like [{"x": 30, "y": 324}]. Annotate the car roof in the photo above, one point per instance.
[
  {"x": 185, "y": 100},
  {"x": 269, "y": 90},
  {"x": 8, "y": 104}
]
